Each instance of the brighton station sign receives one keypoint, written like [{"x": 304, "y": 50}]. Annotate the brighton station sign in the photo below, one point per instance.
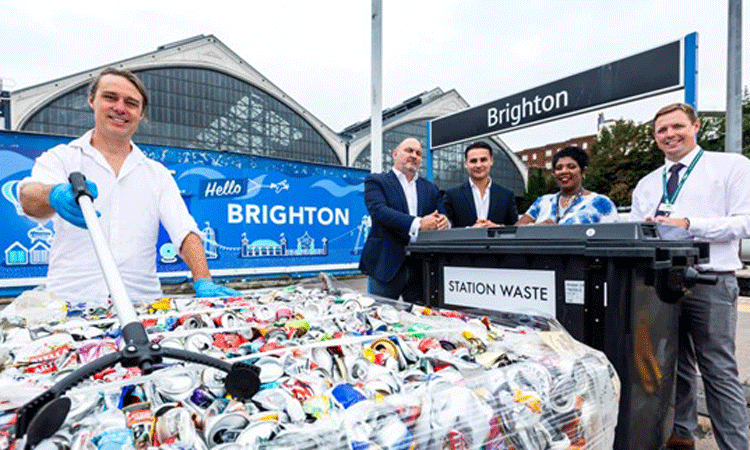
[{"x": 649, "y": 73}]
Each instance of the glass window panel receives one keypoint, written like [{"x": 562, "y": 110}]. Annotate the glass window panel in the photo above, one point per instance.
[{"x": 200, "y": 108}]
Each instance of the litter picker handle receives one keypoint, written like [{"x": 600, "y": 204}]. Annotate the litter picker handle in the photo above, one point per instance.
[
  {"x": 123, "y": 306},
  {"x": 78, "y": 180}
]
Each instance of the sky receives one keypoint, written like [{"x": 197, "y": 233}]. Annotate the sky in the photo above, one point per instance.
[{"x": 318, "y": 52}]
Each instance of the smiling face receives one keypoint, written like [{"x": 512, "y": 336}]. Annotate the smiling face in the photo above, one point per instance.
[
  {"x": 118, "y": 108},
  {"x": 407, "y": 157},
  {"x": 568, "y": 175},
  {"x": 675, "y": 134},
  {"x": 478, "y": 163}
]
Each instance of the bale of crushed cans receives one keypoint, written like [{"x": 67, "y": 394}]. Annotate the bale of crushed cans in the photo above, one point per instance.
[{"x": 339, "y": 370}]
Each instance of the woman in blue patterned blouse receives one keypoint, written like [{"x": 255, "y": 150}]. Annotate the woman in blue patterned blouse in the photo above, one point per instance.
[{"x": 573, "y": 204}]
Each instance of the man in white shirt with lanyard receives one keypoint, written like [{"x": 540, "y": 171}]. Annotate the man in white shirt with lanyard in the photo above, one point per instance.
[
  {"x": 132, "y": 193},
  {"x": 707, "y": 195}
]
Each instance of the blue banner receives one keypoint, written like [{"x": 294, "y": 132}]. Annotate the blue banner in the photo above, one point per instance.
[{"x": 258, "y": 215}]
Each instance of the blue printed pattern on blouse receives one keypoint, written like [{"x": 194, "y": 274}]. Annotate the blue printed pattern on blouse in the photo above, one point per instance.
[{"x": 589, "y": 208}]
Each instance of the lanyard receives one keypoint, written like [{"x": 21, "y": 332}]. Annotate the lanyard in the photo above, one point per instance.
[
  {"x": 556, "y": 206},
  {"x": 670, "y": 201}
]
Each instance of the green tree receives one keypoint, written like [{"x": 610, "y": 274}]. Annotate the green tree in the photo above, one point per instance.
[
  {"x": 622, "y": 155},
  {"x": 540, "y": 182},
  {"x": 714, "y": 129}
]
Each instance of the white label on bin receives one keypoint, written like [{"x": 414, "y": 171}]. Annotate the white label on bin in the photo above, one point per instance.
[
  {"x": 512, "y": 290},
  {"x": 574, "y": 292}
]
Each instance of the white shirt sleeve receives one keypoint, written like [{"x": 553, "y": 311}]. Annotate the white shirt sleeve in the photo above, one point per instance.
[
  {"x": 736, "y": 223},
  {"x": 414, "y": 229},
  {"x": 173, "y": 212},
  {"x": 49, "y": 168}
]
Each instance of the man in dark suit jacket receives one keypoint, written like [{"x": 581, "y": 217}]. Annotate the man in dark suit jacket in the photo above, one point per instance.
[
  {"x": 480, "y": 202},
  {"x": 400, "y": 204}
]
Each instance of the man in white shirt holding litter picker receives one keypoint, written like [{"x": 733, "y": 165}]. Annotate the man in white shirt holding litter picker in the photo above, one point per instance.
[{"x": 132, "y": 193}]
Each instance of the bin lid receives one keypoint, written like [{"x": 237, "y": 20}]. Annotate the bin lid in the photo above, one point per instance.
[{"x": 629, "y": 239}]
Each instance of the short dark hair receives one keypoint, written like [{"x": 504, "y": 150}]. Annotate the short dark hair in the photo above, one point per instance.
[
  {"x": 578, "y": 154},
  {"x": 477, "y": 144},
  {"x": 128, "y": 75},
  {"x": 684, "y": 107}
]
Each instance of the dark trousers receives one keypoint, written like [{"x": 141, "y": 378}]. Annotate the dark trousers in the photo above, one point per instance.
[
  {"x": 407, "y": 284},
  {"x": 708, "y": 321}
]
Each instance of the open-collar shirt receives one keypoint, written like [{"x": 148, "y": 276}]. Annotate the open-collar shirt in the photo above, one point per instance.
[
  {"x": 482, "y": 204},
  {"x": 132, "y": 205},
  {"x": 410, "y": 191},
  {"x": 715, "y": 198}
]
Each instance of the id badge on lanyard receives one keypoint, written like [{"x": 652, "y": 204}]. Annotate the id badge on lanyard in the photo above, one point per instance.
[
  {"x": 666, "y": 206},
  {"x": 664, "y": 209}
]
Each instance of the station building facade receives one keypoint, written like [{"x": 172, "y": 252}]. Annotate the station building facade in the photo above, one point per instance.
[{"x": 202, "y": 95}]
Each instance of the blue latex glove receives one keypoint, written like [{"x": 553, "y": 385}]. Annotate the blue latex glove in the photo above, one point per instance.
[
  {"x": 62, "y": 200},
  {"x": 206, "y": 288}
]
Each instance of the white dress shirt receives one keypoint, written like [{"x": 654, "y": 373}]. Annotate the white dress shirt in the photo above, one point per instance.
[
  {"x": 715, "y": 198},
  {"x": 132, "y": 204},
  {"x": 410, "y": 190},
  {"x": 482, "y": 205}
]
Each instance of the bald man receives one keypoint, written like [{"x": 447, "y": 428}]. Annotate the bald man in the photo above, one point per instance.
[{"x": 401, "y": 204}]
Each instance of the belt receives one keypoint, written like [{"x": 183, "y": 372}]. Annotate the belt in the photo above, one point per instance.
[{"x": 717, "y": 272}]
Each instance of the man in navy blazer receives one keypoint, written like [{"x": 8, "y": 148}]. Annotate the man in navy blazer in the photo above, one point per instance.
[
  {"x": 400, "y": 204},
  {"x": 480, "y": 202}
]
